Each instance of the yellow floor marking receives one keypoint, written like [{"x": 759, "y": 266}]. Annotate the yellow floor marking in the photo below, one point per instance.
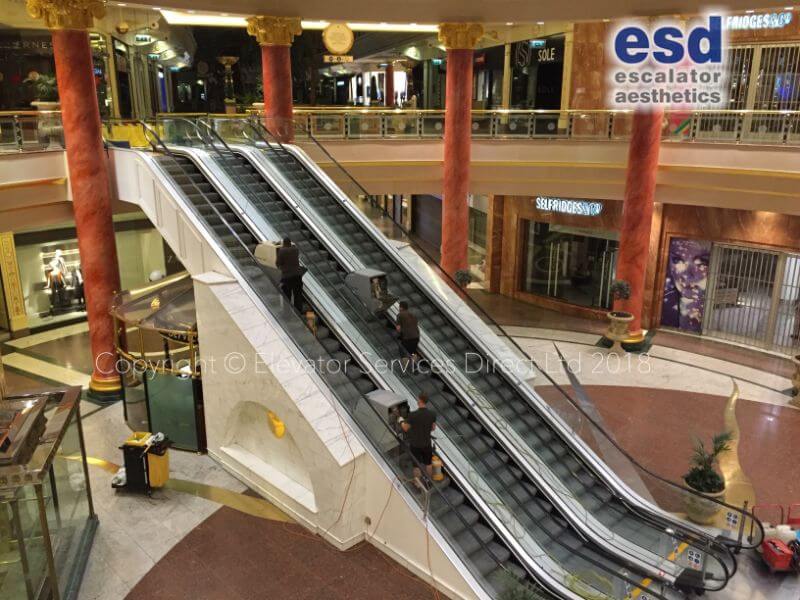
[{"x": 647, "y": 581}]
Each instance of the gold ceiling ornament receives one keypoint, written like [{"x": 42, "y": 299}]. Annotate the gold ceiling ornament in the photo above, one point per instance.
[
  {"x": 67, "y": 14},
  {"x": 274, "y": 31},
  {"x": 460, "y": 36}
]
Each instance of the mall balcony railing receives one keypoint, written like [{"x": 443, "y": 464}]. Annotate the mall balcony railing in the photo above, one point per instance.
[
  {"x": 31, "y": 131},
  {"x": 730, "y": 126},
  {"x": 41, "y": 130}
]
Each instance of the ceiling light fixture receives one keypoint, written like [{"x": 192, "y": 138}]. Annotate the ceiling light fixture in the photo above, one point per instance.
[
  {"x": 509, "y": 24},
  {"x": 540, "y": 22},
  {"x": 750, "y": 12},
  {"x": 191, "y": 17}
]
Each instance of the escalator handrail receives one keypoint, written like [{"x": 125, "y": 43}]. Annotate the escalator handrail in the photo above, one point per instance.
[
  {"x": 453, "y": 284},
  {"x": 148, "y": 130},
  {"x": 618, "y": 559},
  {"x": 341, "y": 401},
  {"x": 589, "y": 559},
  {"x": 699, "y": 539}
]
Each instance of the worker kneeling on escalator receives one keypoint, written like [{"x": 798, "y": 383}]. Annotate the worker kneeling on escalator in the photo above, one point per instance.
[{"x": 287, "y": 259}]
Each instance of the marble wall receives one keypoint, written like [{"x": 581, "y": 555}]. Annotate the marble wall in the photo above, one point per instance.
[{"x": 588, "y": 66}]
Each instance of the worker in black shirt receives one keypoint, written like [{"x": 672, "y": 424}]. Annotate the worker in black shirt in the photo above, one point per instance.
[
  {"x": 419, "y": 426},
  {"x": 287, "y": 259}
]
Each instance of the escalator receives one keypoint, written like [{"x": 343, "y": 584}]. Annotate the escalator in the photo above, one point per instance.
[
  {"x": 652, "y": 532},
  {"x": 584, "y": 566},
  {"x": 572, "y": 567},
  {"x": 448, "y": 507}
]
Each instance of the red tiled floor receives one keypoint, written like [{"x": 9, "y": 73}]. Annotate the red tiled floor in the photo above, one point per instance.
[
  {"x": 233, "y": 556},
  {"x": 658, "y": 428}
]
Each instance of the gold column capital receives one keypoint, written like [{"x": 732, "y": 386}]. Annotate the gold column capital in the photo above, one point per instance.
[
  {"x": 460, "y": 36},
  {"x": 274, "y": 31},
  {"x": 67, "y": 14}
]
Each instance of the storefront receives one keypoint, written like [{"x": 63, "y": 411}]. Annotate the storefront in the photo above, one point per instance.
[
  {"x": 537, "y": 73},
  {"x": 764, "y": 73},
  {"x": 730, "y": 274},
  {"x": 27, "y": 54},
  {"x": 426, "y": 211},
  {"x": 49, "y": 268},
  {"x": 558, "y": 253}
]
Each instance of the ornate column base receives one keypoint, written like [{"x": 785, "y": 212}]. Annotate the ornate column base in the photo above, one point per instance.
[{"x": 106, "y": 389}]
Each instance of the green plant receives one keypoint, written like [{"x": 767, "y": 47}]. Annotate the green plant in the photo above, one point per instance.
[
  {"x": 620, "y": 289},
  {"x": 44, "y": 86},
  {"x": 703, "y": 475}
]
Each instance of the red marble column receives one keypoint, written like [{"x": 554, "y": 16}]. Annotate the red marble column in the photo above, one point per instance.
[
  {"x": 388, "y": 92},
  {"x": 91, "y": 197},
  {"x": 637, "y": 212},
  {"x": 457, "y": 140},
  {"x": 276, "y": 68}
]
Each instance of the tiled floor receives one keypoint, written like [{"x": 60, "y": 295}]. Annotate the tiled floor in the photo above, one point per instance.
[
  {"x": 233, "y": 556},
  {"x": 145, "y": 547}
]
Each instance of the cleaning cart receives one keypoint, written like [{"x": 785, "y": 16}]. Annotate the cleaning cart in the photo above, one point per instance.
[{"x": 146, "y": 458}]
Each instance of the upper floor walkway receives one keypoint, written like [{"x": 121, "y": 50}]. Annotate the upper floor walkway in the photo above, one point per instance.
[{"x": 730, "y": 159}]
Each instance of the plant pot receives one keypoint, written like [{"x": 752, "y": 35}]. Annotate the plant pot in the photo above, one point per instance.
[
  {"x": 796, "y": 382},
  {"x": 618, "y": 327},
  {"x": 700, "y": 510},
  {"x": 49, "y": 131}
]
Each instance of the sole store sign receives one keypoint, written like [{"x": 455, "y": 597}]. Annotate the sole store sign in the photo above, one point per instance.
[{"x": 667, "y": 63}]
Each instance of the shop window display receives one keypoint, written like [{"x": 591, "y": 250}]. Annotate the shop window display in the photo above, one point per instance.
[{"x": 572, "y": 264}]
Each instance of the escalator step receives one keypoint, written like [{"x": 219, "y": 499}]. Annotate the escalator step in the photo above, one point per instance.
[
  {"x": 459, "y": 519},
  {"x": 474, "y": 538},
  {"x": 487, "y": 560}
]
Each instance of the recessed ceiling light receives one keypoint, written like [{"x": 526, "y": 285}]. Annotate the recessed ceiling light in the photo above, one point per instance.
[
  {"x": 121, "y": 4},
  {"x": 750, "y": 12},
  {"x": 540, "y": 22},
  {"x": 509, "y": 24},
  {"x": 606, "y": 20}
]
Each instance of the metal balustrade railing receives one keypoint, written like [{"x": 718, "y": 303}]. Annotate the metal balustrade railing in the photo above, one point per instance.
[
  {"x": 41, "y": 130},
  {"x": 727, "y": 126}
]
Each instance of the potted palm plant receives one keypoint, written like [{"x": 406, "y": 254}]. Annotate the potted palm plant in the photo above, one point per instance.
[
  {"x": 619, "y": 320},
  {"x": 704, "y": 478},
  {"x": 45, "y": 90}
]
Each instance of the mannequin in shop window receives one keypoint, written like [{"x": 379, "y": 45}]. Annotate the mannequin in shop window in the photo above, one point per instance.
[{"x": 56, "y": 281}]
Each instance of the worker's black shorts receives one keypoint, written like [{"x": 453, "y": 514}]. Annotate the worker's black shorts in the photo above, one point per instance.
[
  {"x": 423, "y": 455},
  {"x": 410, "y": 345}
]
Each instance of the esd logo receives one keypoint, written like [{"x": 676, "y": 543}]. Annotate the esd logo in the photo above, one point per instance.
[{"x": 669, "y": 45}]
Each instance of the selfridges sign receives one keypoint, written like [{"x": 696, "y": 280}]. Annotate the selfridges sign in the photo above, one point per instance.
[
  {"x": 775, "y": 20},
  {"x": 569, "y": 206}
]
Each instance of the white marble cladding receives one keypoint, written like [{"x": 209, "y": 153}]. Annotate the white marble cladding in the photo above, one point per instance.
[
  {"x": 248, "y": 363},
  {"x": 136, "y": 179}
]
